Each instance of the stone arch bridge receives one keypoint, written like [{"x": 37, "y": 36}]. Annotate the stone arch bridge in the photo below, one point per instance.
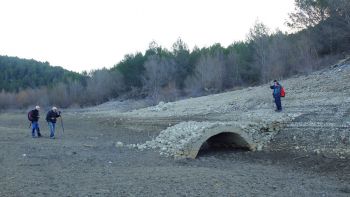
[{"x": 186, "y": 139}]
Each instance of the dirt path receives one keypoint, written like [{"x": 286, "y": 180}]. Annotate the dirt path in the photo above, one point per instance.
[{"x": 84, "y": 161}]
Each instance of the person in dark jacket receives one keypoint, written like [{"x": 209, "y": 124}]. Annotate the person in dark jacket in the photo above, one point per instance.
[
  {"x": 35, "y": 121},
  {"x": 277, "y": 95},
  {"x": 51, "y": 119}
]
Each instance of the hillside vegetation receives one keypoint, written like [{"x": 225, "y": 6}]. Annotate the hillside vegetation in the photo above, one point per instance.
[
  {"x": 321, "y": 37},
  {"x": 17, "y": 74}
]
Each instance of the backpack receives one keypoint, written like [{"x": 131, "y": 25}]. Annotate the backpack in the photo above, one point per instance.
[
  {"x": 283, "y": 92},
  {"x": 30, "y": 116}
]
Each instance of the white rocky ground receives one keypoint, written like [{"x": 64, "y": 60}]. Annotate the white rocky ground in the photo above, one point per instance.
[
  {"x": 315, "y": 94},
  {"x": 116, "y": 106}
]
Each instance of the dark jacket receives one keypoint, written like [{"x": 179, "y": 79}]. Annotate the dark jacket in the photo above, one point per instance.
[
  {"x": 276, "y": 90},
  {"x": 51, "y": 116},
  {"x": 35, "y": 115}
]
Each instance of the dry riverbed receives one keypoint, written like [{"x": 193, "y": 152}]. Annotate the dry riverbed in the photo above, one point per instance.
[{"x": 87, "y": 160}]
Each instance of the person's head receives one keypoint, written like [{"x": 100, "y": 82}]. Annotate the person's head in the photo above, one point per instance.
[
  {"x": 54, "y": 108},
  {"x": 275, "y": 82},
  {"x": 37, "y": 107}
]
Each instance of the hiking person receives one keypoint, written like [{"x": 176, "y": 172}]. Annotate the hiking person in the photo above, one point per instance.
[
  {"x": 51, "y": 118},
  {"x": 33, "y": 117},
  {"x": 277, "y": 95}
]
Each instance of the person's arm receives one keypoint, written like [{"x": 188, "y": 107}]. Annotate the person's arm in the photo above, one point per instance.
[{"x": 272, "y": 87}]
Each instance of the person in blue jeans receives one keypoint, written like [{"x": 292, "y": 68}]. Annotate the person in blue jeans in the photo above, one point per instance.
[
  {"x": 51, "y": 119},
  {"x": 277, "y": 95},
  {"x": 34, "y": 117}
]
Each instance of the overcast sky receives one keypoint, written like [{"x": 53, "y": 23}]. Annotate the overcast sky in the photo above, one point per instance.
[{"x": 89, "y": 34}]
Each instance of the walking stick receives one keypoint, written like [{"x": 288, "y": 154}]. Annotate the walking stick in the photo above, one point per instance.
[{"x": 62, "y": 124}]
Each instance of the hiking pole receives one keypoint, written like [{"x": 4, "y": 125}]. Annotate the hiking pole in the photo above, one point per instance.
[
  {"x": 62, "y": 124},
  {"x": 48, "y": 125}
]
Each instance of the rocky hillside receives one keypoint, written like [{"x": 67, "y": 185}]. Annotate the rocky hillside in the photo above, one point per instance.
[{"x": 318, "y": 104}]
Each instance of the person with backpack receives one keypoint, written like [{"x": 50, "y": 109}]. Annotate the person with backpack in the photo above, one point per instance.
[
  {"x": 277, "y": 93},
  {"x": 33, "y": 117},
  {"x": 51, "y": 119}
]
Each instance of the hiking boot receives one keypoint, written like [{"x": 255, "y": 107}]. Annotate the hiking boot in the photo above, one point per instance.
[{"x": 39, "y": 134}]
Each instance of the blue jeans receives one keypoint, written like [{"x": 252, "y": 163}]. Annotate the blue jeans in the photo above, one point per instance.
[
  {"x": 35, "y": 127},
  {"x": 278, "y": 103},
  {"x": 52, "y": 129}
]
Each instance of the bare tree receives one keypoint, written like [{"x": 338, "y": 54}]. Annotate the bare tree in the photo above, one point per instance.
[
  {"x": 76, "y": 93},
  {"x": 306, "y": 54},
  {"x": 259, "y": 36},
  {"x": 103, "y": 85},
  {"x": 7, "y": 100},
  {"x": 233, "y": 73},
  {"x": 209, "y": 74},
  {"x": 159, "y": 73},
  {"x": 278, "y": 56},
  {"x": 59, "y": 95}
]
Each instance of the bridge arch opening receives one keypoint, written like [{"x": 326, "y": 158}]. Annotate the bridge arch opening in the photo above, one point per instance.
[{"x": 223, "y": 142}]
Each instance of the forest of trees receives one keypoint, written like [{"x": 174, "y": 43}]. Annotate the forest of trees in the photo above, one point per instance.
[
  {"x": 321, "y": 36},
  {"x": 19, "y": 74}
]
